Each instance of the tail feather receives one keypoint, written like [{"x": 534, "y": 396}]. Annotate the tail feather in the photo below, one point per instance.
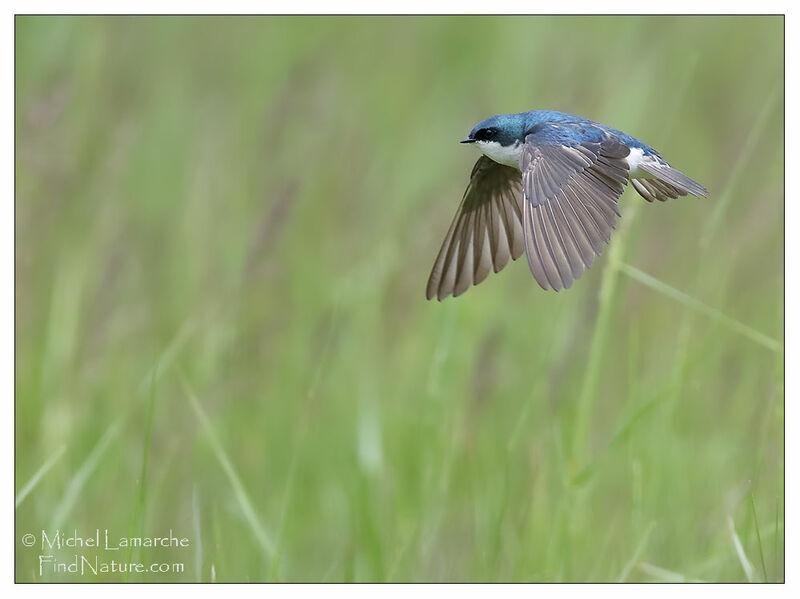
[
  {"x": 654, "y": 189},
  {"x": 673, "y": 178}
]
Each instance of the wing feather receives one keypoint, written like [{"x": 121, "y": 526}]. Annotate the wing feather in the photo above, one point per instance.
[
  {"x": 588, "y": 218},
  {"x": 485, "y": 233},
  {"x": 571, "y": 192},
  {"x": 568, "y": 242},
  {"x": 579, "y": 235}
]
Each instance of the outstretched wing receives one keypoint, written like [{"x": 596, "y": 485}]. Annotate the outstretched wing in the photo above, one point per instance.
[
  {"x": 485, "y": 233},
  {"x": 572, "y": 176}
]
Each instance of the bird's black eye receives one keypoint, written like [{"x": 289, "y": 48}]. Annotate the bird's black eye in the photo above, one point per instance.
[{"x": 485, "y": 134}]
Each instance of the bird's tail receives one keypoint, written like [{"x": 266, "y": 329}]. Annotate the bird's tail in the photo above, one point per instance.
[{"x": 665, "y": 183}]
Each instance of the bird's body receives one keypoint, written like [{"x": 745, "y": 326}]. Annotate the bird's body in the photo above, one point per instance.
[
  {"x": 547, "y": 184},
  {"x": 529, "y": 120}
]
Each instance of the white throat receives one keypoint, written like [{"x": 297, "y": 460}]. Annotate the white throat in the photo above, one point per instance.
[{"x": 508, "y": 155}]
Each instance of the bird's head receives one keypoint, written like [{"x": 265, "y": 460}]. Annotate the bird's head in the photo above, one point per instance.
[
  {"x": 499, "y": 137},
  {"x": 503, "y": 129}
]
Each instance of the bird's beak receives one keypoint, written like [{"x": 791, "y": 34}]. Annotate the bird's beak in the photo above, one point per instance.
[{"x": 467, "y": 140}]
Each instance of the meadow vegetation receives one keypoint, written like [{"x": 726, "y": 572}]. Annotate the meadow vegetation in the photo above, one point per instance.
[{"x": 224, "y": 227}]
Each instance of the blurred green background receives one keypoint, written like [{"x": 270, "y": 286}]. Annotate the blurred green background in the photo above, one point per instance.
[{"x": 224, "y": 227}]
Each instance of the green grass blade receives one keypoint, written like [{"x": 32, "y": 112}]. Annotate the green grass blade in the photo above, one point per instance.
[
  {"x": 167, "y": 357},
  {"x": 663, "y": 575},
  {"x": 137, "y": 514},
  {"x": 758, "y": 536},
  {"x": 82, "y": 475},
  {"x": 737, "y": 544},
  {"x": 261, "y": 535},
  {"x": 198, "y": 535},
  {"x": 698, "y": 306},
  {"x": 744, "y": 160},
  {"x": 626, "y": 571},
  {"x": 34, "y": 480},
  {"x": 585, "y": 404}
]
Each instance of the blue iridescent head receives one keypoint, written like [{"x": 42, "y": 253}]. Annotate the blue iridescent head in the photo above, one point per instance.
[{"x": 503, "y": 129}]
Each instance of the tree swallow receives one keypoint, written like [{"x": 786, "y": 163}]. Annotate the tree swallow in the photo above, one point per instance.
[{"x": 546, "y": 184}]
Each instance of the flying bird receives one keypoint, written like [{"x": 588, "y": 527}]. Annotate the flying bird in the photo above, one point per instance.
[{"x": 547, "y": 184}]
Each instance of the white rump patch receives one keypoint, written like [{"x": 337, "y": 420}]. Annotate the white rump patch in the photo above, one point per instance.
[{"x": 637, "y": 157}]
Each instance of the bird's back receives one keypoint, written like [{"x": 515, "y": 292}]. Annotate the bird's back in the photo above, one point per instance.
[{"x": 535, "y": 117}]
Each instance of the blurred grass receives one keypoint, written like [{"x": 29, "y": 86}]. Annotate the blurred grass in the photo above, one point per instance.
[{"x": 254, "y": 204}]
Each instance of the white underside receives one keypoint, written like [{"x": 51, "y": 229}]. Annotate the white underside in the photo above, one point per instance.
[{"x": 508, "y": 155}]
